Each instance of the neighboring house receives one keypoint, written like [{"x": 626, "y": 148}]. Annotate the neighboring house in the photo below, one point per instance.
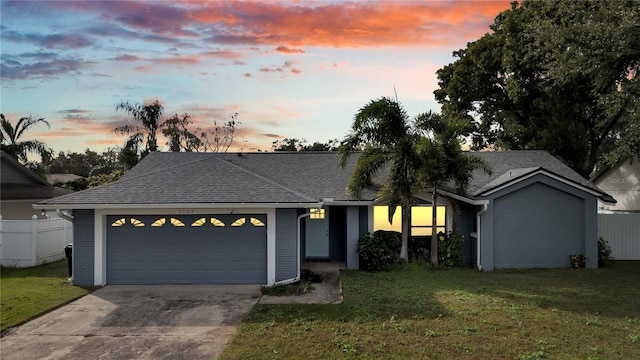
[
  {"x": 62, "y": 178},
  {"x": 253, "y": 218},
  {"x": 21, "y": 188},
  {"x": 622, "y": 181}
]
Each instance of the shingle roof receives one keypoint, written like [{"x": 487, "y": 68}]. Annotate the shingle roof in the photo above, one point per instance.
[
  {"x": 20, "y": 183},
  {"x": 276, "y": 177},
  {"x": 191, "y": 178},
  {"x": 507, "y": 165}
]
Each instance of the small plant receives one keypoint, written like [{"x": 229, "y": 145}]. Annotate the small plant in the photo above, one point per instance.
[
  {"x": 431, "y": 333},
  {"x": 297, "y": 288},
  {"x": 578, "y": 261},
  {"x": 604, "y": 252},
  {"x": 380, "y": 251},
  {"x": 450, "y": 251}
]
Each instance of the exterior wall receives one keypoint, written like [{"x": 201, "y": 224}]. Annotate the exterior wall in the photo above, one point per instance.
[
  {"x": 353, "y": 234},
  {"x": 20, "y": 209},
  {"x": 623, "y": 183},
  {"x": 286, "y": 244},
  {"x": 12, "y": 175},
  {"x": 83, "y": 247},
  {"x": 538, "y": 222}
]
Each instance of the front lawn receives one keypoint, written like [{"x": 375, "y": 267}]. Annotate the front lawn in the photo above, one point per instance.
[
  {"x": 28, "y": 292},
  {"x": 424, "y": 313}
]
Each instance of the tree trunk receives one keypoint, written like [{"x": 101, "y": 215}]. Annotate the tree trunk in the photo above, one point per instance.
[
  {"x": 434, "y": 229},
  {"x": 406, "y": 229}
]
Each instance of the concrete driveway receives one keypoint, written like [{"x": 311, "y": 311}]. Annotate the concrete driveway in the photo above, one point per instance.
[{"x": 136, "y": 322}]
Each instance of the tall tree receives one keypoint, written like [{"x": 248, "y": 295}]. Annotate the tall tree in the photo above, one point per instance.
[
  {"x": 442, "y": 162},
  {"x": 143, "y": 134},
  {"x": 294, "y": 144},
  {"x": 179, "y": 137},
  {"x": 11, "y": 138},
  {"x": 221, "y": 137},
  {"x": 382, "y": 130},
  {"x": 555, "y": 75}
]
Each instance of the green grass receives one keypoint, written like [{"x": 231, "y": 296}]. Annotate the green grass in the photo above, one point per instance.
[
  {"x": 423, "y": 313},
  {"x": 27, "y": 292}
]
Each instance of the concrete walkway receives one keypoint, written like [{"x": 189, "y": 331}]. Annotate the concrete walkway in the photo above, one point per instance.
[{"x": 136, "y": 322}]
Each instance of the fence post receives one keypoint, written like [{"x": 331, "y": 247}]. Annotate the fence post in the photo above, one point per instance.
[{"x": 34, "y": 239}]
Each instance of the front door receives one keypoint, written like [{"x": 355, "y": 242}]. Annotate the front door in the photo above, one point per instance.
[{"x": 317, "y": 235}]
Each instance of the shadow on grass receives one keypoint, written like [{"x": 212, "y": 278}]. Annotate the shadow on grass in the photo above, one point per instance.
[
  {"x": 423, "y": 292},
  {"x": 58, "y": 269}
]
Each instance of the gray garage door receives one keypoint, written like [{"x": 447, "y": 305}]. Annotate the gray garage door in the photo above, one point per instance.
[{"x": 186, "y": 249}]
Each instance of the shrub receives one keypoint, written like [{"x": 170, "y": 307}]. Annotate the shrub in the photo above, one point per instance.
[
  {"x": 450, "y": 249},
  {"x": 380, "y": 251},
  {"x": 420, "y": 248},
  {"x": 604, "y": 252}
]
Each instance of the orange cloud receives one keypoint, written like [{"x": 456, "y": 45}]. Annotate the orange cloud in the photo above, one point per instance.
[{"x": 351, "y": 24}]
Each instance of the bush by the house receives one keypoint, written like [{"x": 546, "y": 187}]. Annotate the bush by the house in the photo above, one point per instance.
[
  {"x": 604, "y": 252},
  {"x": 379, "y": 251},
  {"x": 420, "y": 248},
  {"x": 450, "y": 251}
]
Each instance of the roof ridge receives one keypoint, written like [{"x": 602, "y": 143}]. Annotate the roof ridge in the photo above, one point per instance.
[
  {"x": 242, "y": 168},
  {"x": 204, "y": 157}
]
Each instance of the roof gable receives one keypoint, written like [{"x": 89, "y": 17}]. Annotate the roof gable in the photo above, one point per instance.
[{"x": 12, "y": 172}]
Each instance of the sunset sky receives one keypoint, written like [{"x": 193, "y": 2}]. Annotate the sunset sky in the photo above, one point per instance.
[{"x": 289, "y": 69}]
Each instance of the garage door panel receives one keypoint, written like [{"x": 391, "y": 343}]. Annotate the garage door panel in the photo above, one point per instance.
[{"x": 205, "y": 254}]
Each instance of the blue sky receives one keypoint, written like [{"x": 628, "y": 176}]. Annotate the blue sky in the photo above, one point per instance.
[{"x": 289, "y": 69}]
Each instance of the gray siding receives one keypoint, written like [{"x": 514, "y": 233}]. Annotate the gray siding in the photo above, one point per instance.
[
  {"x": 353, "y": 234},
  {"x": 83, "y": 247},
  {"x": 539, "y": 222},
  {"x": 286, "y": 244},
  {"x": 11, "y": 175},
  {"x": 538, "y": 226}
]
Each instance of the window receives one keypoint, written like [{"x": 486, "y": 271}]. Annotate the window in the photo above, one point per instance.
[
  {"x": 317, "y": 214},
  {"x": 420, "y": 219},
  {"x": 176, "y": 222},
  {"x": 119, "y": 222},
  {"x": 256, "y": 222},
  {"x": 217, "y": 222},
  {"x": 199, "y": 222},
  {"x": 137, "y": 223},
  {"x": 239, "y": 222},
  {"x": 159, "y": 222}
]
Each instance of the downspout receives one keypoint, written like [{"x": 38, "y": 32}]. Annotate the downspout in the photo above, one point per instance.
[
  {"x": 64, "y": 215},
  {"x": 298, "y": 235},
  {"x": 485, "y": 207}
]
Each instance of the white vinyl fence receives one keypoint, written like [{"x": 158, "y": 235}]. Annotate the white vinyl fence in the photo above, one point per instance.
[
  {"x": 622, "y": 232},
  {"x": 33, "y": 242}
]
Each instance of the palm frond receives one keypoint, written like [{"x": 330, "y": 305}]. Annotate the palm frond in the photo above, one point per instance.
[{"x": 369, "y": 163}]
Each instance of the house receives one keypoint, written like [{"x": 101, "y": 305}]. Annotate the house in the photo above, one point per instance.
[
  {"x": 619, "y": 223},
  {"x": 255, "y": 217},
  {"x": 622, "y": 181},
  {"x": 21, "y": 188}
]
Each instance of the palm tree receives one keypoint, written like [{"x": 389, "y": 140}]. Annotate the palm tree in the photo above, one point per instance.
[
  {"x": 10, "y": 138},
  {"x": 383, "y": 132},
  {"x": 443, "y": 161},
  {"x": 148, "y": 117}
]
